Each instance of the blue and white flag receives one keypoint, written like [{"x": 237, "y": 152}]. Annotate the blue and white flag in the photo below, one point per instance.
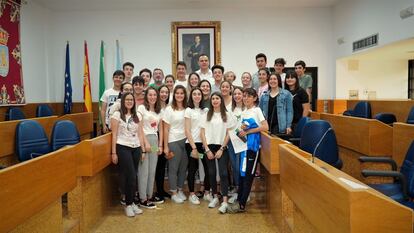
[{"x": 68, "y": 84}]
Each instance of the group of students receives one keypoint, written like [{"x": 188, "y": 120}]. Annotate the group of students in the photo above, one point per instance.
[{"x": 179, "y": 121}]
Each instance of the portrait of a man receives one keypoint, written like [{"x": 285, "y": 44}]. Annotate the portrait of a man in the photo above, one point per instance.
[{"x": 193, "y": 46}]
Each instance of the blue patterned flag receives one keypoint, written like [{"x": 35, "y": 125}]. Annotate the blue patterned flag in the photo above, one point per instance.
[{"x": 68, "y": 84}]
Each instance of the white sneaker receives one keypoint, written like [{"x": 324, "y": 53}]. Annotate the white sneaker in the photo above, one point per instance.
[
  {"x": 194, "y": 199},
  {"x": 136, "y": 209},
  {"x": 232, "y": 199},
  {"x": 175, "y": 198},
  {"x": 213, "y": 203},
  {"x": 182, "y": 195},
  {"x": 248, "y": 198},
  {"x": 129, "y": 211},
  {"x": 207, "y": 197},
  {"x": 223, "y": 207}
]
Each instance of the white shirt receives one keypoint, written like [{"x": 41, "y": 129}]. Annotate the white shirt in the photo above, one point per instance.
[
  {"x": 109, "y": 97},
  {"x": 283, "y": 77},
  {"x": 178, "y": 82},
  {"x": 195, "y": 115},
  {"x": 255, "y": 113},
  {"x": 175, "y": 118},
  {"x": 215, "y": 88},
  {"x": 215, "y": 129},
  {"x": 207, "y": 76},
  {"x": 150, "y": 120},
  {"x": 127, "y": 134}
]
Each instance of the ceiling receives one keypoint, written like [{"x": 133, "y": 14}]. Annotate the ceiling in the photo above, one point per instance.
[{"x": 74, "y": 5}]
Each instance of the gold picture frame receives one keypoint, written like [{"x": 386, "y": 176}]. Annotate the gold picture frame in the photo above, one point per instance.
[{"x": 184, "y": 41}]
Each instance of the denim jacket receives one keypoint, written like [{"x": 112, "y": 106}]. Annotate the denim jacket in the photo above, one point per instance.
[{"x": 284, "y": 108}]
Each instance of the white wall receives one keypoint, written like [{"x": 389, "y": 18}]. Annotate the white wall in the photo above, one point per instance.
[
  {"x": 356, "y": 19},
  {"x": 388, "y": 78},
  {"x": 145, "y": 39},
  {"x": 34, "y": 28}
]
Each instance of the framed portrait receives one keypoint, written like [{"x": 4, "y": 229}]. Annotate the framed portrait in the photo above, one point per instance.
[{"x": 190, "y": 39}]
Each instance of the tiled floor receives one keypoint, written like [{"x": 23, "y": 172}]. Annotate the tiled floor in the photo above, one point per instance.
[{"x": 180, "y": 218}]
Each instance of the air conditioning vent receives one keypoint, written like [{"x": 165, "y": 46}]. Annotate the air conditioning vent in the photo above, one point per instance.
[{"x": 365, "y": 43}]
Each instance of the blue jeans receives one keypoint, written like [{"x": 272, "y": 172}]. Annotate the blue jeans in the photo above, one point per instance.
[{"x": 235, "y": 163}]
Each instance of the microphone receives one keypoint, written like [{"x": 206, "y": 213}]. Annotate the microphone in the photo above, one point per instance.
[{"x": 319, "y": 143}]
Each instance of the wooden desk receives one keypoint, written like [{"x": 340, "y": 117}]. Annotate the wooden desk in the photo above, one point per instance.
[
  {"x": 36, "y": 186},
  {"x": 270, "y": 153},
  {"x": 83, "y": 121},
  {"x": 323, "y": 203},
  {"x": 315, "y": 115},
  {"x": 403, "y": 135},
  {"x": 400, "y": 108},
  {"x": 95, "y": 183},
  {"x": 336, "y": 106}
]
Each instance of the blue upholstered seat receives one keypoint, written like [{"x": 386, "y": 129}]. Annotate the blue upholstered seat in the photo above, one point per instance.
[
  {"x": 318, "y": 138},
  {"x": 362, "y": 109},
  {"x": 297, "y": 132},
  {"x": 31, "y": 140},
  {"x": 386, "y": 118},
  {"x": 410, "y": 118},
  {"x": 64, "y": 133},
  {"x": 14, "y": 114},
  {"x": 43, "y": 110}
]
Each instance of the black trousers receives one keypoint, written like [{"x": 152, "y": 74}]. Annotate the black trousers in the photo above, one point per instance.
[
  {"x": 160, "y": 174},
  {"x": 224, "y": 177},
  {"x": 245, "y": 182},
  {"x": 128, "y": 159},
  {"x": 193, "y": 166}
]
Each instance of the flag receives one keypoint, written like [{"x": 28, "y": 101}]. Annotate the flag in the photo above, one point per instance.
[
  {"x": 68, "y": 85},
  {"x": 101, "y": 74},
  {"x": 87, "y": 97},
  {"x": 118, "y": 57}
]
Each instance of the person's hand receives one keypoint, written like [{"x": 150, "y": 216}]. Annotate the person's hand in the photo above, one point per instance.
[
  {"x": 242, "y": 133},
  {"x": 114, "y": 158},
  {"x": 166, "y": 150},
  {"x": 143, "y": 156},
  {"x": 288, "y": 130},
  {"x": 105, "y": 129},
  {"x": 219, "y": 153},
  {"x": 194, "y": 153},
  {"x": 148, "y": 147},
  {"x": 160, "y": 150},
  {"x": 210, "y": 155}
]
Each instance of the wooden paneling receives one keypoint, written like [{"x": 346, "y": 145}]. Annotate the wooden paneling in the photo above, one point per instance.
[
  {"x": 337, "y": 106},
  {"x": 403, "y": 135},
  {"x": 400, "y": 108},
  {"x": 83, "y": 121},
  {"x": 31, "y": 186},
  {"x": 315, "y": 115},
  {"x": 8, "y": 133},
  {"x": 93, "y": 155},
  {"x": 330, "y": 205},
  {"x": 366, "y": 136},
  {"x": 270, "y": 153}
]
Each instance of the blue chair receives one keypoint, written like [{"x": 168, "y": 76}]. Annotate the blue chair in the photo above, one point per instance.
[
  {"x": 14, "y": 114},
  {"x": 297, "y": 132},
  {"x": 362, "y": 109},
  {"x": 31, "y": 140},
  {"x": 43, "y": 110},
  {"x": 402, "y": 189},
  {"x": 318, "y": 138},
  {"x": 386, "y": 118},
  {"x": 64, "y": 133},
  {"x": 410, "y": 118}
]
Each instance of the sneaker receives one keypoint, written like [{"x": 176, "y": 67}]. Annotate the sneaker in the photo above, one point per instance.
[
  {"x": 182, "y": 195},
  {"x": 147, "y": 204},
  {"x": 194, "y": 199},
  {"x": 207, "y": 197},
  {"x": 175, "y": 198},
  {"x": 136, "y": 209},
  {"x": 232, "y": 190},
  {"x": 223, "y": 207},
  {"x": 213, "y": 203},
  {"x": 233, "y": 198},
  {"x": 129, "y": 211},
  {"x": 199, "y": 194},
  {"x": 157, "y": 200},
  {"x": 122, "y": 200},
  {"x": 234, "y": 208},
  {"x": 166, "y": 195}
]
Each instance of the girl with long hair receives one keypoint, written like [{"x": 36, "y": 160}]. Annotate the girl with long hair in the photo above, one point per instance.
[{"x": 301, "y": 104}]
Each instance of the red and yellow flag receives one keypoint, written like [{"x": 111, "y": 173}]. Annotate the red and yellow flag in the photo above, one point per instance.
[{"x": 87, "y": 84}]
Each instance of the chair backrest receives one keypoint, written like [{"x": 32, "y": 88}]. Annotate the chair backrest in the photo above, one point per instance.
[
  {"x": 31, "y": 140},
  {"x": 318, "y": 138},
  {"x": 43, "y": 110},
  {"x": 410, "y": 118},
  {"x": 64, "y": 133},
  {"x": 14, "y": 114},
  {"x": 299, "y": 127},
  {"x": 386, "y": 118},
  {"x": 362, "y": 109},
  {"x": 407, "y": 168}
]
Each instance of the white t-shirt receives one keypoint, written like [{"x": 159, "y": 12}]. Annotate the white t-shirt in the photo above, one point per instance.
[
  {"x": 109, "y": 97},
  {"x": 283, "y": 77},
  {"x": 175, "y": 118},
  {"x": 127, "y": 131},
  {"x": 195, "y": 115},
  {"x": 215, "y": 129},
  {"x": 183, "y": 83},
  {"x": 255, "y": 113},
  {"x": 150, "y": 120},
  {"x": 207, "y": 76}
]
